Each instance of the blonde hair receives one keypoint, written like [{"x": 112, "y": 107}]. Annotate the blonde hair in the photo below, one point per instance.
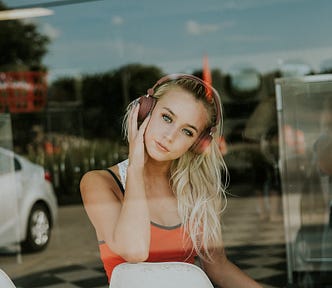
[{"x": 199, "y": 181}]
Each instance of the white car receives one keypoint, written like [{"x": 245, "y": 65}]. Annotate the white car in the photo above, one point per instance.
[{"x": 28, "y": 205}]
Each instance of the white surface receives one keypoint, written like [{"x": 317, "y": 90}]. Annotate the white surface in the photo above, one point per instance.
[
  {"x": 5, "y": 281},
  {"x": 161, "y": 275}
]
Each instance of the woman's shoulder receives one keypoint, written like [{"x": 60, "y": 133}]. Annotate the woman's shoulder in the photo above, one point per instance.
[
  {"x": 102, "y": 180},
  {"x": 93, "y": 179}
]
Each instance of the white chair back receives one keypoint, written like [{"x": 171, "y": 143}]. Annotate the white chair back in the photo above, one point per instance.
[
  {"x": 5, "y": 281},
  {"x": 159, "y": 274}
]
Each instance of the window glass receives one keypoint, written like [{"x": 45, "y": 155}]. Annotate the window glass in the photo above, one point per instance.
[
  {"x": 68, "y": 70},
  {"x": 5, "y": 164},
  {"x": 9, "y": 214}
]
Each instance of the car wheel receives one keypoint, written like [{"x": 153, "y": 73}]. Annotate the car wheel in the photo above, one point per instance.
[{"x": 38, "y": 229}]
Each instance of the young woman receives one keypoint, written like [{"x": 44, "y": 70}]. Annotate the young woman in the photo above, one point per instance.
[{"x": 164, "y": 202}]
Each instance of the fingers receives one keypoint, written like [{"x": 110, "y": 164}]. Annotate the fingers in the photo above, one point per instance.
[
  {"x": 144, "y": 124},
  {"x": 133, "y": 125}
]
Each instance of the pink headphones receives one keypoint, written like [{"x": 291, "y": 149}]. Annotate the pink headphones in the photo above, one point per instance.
[{"x": 147, "y": 103}]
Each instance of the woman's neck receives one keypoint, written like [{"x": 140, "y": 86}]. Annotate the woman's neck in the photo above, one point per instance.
[
  {"x": 156, "y": 168},
  {"x": 157, "y": 180}
]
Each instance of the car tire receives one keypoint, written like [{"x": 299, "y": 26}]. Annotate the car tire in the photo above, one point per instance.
[{"x": 38, "y": 229}]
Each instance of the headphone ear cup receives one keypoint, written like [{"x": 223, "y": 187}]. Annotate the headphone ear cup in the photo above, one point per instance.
[
  {"x": 147, "y": 104},
  {"x": 202, "y": 142}
]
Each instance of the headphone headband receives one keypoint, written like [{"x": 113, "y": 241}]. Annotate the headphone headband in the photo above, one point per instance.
[{"x": 208, "y": 87}]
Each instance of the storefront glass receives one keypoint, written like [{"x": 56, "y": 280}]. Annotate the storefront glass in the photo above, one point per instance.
[
  {"x": 305, "y": 122},
  {"x": 68, "y": 70}
]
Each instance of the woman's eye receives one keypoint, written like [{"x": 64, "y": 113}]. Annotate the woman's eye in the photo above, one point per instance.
[
  {"x": 188, "y": 132},
  {"x": 167, "y": 118}
]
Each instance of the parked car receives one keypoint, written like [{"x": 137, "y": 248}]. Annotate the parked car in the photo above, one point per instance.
[{"x": 28, "y": 205}]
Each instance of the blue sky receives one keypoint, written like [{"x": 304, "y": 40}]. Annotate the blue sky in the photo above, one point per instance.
[{"x": 175, "y": 34}]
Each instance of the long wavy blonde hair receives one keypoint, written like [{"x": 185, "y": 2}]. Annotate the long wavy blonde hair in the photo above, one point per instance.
[{"x": 199, "y": 181}]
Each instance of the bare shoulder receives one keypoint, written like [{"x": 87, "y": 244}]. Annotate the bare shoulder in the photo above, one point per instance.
[{"x": 99, "y": 184}]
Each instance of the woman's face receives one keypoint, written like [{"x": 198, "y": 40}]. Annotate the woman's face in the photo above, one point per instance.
[{"x": 176, "y": 122}]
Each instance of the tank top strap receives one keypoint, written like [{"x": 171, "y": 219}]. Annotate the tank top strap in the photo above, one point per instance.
[{"x": 116, "y": 179}]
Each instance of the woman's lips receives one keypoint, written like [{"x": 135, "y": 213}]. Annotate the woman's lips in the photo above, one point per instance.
[{"x": 162, "y": 147}]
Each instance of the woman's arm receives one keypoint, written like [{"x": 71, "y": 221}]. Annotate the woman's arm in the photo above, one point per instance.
[
  {"x": 123, "y": 225},
  {"x": 225, "y": 274}
]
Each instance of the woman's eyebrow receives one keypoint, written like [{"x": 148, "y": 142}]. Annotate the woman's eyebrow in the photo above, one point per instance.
[{"x": 173, "y": 114}]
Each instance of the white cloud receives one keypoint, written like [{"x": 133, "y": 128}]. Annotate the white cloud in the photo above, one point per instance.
[
  {"x": 195, "y": 28},
  {"x": 117, "y": 20},
  {"x": 50, "y": 31}
]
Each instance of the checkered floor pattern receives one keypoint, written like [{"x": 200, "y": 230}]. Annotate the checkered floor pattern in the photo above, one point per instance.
[
  {"x": 74, "y": 276},
  {"x": 266, "y": 264}
]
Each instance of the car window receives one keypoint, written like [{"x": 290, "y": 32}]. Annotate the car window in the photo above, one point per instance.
[
  {"x": 6, "y": 164},
  {"x": 17, "y": 165}
]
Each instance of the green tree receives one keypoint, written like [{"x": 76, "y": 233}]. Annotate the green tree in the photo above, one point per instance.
[
  {"x": 22, "y": 46},
  {"x": 105, "y": 96},
  {"x": 64, "y": 89}
]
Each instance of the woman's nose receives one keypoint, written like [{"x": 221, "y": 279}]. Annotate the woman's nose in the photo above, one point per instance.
[{"x": 170, "y": 133}]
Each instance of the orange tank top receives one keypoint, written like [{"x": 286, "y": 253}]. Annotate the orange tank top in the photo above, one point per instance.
[{"x": 167, "y": 244}]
